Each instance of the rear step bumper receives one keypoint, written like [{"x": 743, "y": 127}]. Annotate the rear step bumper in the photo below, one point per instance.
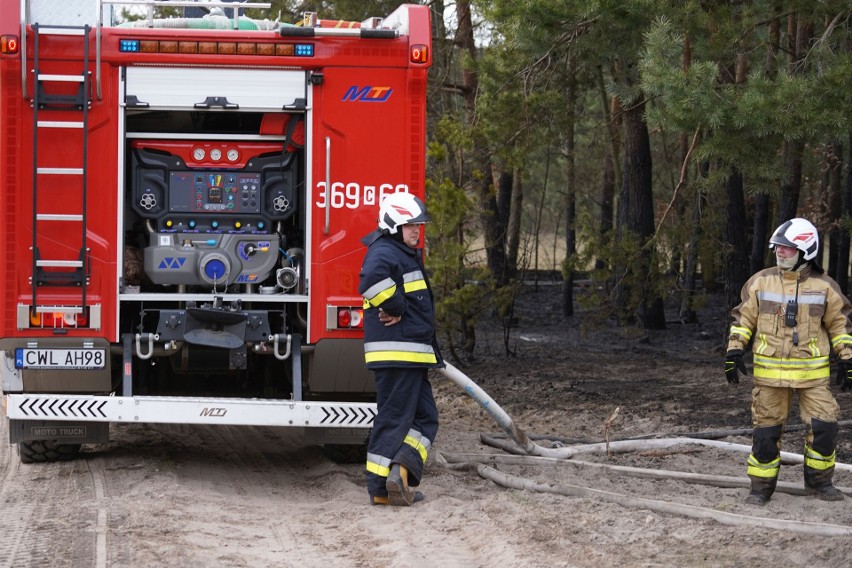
[{"x": 190, "y": 410}]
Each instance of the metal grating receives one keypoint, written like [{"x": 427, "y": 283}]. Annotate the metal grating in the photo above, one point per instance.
[{"x": 55, "y": 13}]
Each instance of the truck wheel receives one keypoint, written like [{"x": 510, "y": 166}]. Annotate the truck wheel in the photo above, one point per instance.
[
  {"x": 41, "y": 451},
  {"x": 346, "y": 453}
]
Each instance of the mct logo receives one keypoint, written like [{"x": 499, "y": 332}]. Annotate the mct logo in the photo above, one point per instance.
[
  {"x": 368, "y": 94},
  {"x": 172, "y": 263},
  {"x": 208, "y": 411}
]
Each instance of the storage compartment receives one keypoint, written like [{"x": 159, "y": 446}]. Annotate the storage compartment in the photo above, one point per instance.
[{"x": 212, "y": 89}]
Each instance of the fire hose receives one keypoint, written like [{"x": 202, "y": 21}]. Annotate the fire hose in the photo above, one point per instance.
[
  {"x": 501, "y": 417},
  {"x": 528, "y": 446}
]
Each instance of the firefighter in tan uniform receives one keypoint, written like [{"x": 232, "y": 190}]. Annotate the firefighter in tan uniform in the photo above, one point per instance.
[{"x": 794, "y": 316}]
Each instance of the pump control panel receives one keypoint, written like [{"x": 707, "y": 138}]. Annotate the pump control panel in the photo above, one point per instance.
[
  {"x": 174, "y": 184},
  {"x": 214, "y": 192}
]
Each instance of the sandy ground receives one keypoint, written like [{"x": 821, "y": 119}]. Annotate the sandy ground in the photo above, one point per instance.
[{"x": 241, "y": 496}]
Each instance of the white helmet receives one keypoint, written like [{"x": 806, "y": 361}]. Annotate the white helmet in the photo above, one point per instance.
[
  {"x": 799, "y": 234},
  {"x": 400, "y": 209}
]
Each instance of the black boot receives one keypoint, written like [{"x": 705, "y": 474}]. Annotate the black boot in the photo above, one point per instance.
[
  {"x": 819, "y": 461},
  {"x": 762, "y": 489},
  {"x": 818, "y": 484},
  {"x": 764, "y": 463},
  {"x": 399, "y": 494}
]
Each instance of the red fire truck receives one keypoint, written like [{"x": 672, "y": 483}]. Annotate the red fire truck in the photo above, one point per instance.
[{"x": 182, "y": 204}]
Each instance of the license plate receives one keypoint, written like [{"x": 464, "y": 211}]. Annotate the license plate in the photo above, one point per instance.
[{"x": 60, "y": 358}]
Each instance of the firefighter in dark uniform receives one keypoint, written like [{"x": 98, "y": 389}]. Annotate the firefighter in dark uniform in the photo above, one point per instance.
[
  {"x": 794, "y": 316},
  {"x": 400, "y": 347}
]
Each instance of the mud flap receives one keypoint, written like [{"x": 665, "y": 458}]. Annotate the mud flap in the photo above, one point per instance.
[
  {"x": 62, "y": 432},
  {"x": 337, "y": 366},
  {"x": 342, "y": 436}
]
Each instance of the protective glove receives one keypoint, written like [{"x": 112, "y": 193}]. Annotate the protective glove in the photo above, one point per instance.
[
  {"x": 843, "y": 375},
  {"x": 734, "y": 363}
]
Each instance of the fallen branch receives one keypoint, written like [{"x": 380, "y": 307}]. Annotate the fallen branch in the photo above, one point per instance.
[
  {"x": 644, "y": 445},
  {"x": 637, "y": 445},
  {"x": 514, "y": 482},
  {"x": 608, "y": 426},
  {"x": 664, "y": 453},
  {"x": 712, "y": 434},
  {"x": 725, "y": 481},
  {"x": 528, "y": 447},
  {"x": 504, "y": 445}
]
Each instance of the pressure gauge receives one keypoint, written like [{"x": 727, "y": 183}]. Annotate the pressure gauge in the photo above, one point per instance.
[
  {"x": 215, "y": 154},
  {"x": 198, "y": 154},
  {"x": 233, "y": 155}
]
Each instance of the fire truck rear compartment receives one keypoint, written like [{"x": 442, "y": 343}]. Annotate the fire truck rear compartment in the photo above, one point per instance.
[
  {"x": 195, "y": 221},
  {"x": 216, "y": 220}
]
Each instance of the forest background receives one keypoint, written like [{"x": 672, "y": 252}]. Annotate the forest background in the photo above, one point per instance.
[{"x": 645, "y": 149}]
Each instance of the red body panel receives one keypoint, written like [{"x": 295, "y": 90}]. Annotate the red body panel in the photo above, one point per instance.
[
  {"x": 369, "y": 108},
  {"x": 361, "y": 113}
]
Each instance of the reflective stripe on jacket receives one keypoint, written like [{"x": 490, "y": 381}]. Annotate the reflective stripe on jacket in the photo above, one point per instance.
[
  {"x": 393, "y": 279},
  {"x": 791, "y": 356}
]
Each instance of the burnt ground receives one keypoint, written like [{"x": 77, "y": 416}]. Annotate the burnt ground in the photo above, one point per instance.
[
  {"x": 564, "y": 384},
  {"x": 580, "y": 364}
]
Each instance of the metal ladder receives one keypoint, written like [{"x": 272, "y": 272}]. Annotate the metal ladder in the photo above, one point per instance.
[{"x": 55, "y": 272}]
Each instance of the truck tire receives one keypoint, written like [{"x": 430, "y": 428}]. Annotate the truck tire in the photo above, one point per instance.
[
  {"x": 346, "y": 453},
  {"x": 41, "y": 451}
]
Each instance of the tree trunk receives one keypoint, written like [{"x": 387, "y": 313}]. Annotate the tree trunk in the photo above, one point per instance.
[
  {"x": 610, "y": 172},
  {"x": 736, "y": 262},
  {"x": 799, "y": 34},
  {"x": 760, "y": 233},
  {"x": 791, "y": 185},
  {"x": 638, "y": 170},
  {"x": 570, "y": 190},
  {"x": 606, "y": 208},
  {"x": 513, "y": 223},
  {"x": 763, "y": 202},
  {"x": 687, "y": 311},
  {"x": 494, "y": 226},
  {"x": 538, "y": 214},
  {"x": 831, "y": 185},
  {"x": 843, "y": 240},
  {"x": 470, "y": 86},
  {"x": 438, "y": 8}
]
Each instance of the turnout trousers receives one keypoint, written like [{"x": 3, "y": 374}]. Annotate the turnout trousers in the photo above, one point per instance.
[
  {"x": 818, "y": 410},
  {"x": 404, "y": 428}
]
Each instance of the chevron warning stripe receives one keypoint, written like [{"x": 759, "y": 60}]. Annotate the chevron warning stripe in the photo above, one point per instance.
[
  {"x": 67, "y": 408},
  {"x": 177, "y": 410},
  {"x": 350, "y": 416}
]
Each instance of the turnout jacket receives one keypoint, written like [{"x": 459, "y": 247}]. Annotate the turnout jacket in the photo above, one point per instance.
[
  {"x": 393, "y": 278},
  {"x": 792, "y": 356}
]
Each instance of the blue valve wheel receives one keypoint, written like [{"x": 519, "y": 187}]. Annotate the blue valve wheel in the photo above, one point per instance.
[{"x": 215, "y": 270}]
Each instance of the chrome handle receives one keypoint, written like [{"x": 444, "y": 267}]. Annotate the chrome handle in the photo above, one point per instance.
[
  {"x": 98, "y": 49},
  {"x": 327, "y": 185},
  {"x": 24, "y": 17}
]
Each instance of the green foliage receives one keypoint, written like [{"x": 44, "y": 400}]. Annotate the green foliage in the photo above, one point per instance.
[
  {"x": 808, "y": 102},
  {"x": 624, "y": 282},
  {"x": 683, "y": 58},
  {"x": 464, "y": 289}
]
